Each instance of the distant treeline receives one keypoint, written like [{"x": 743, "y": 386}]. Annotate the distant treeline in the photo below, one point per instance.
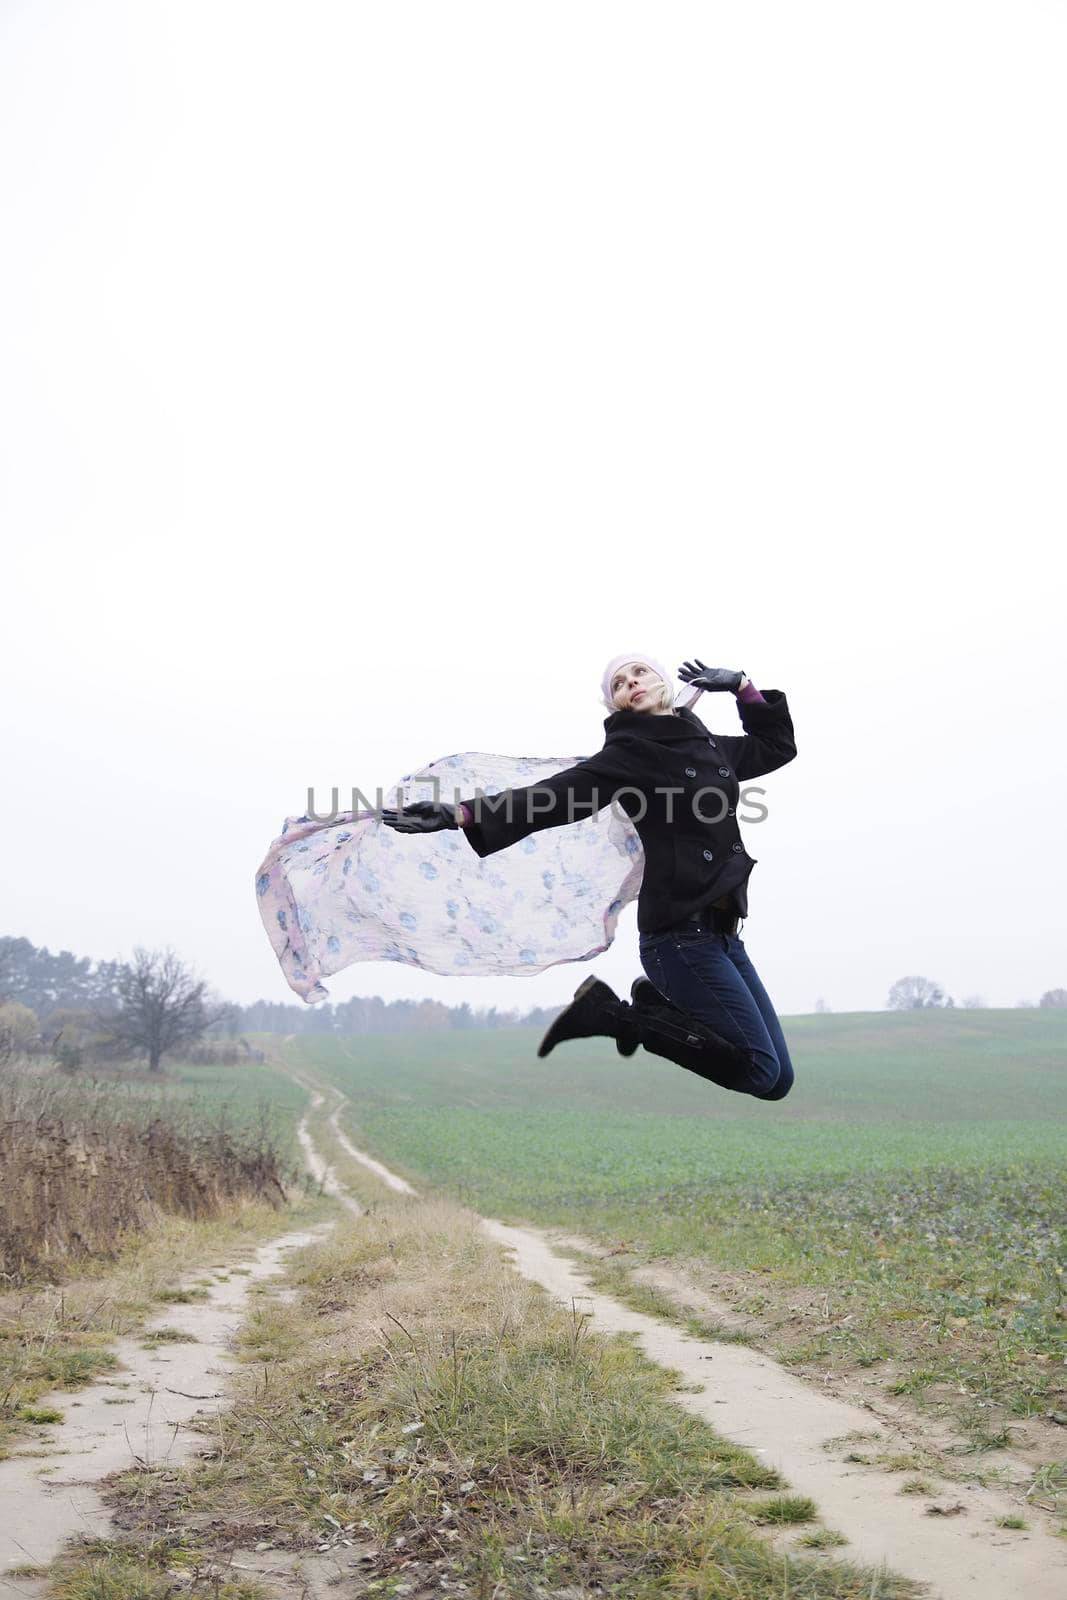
[
  {"x": 51, "y": 985},
  {"x": 46, "y": 982},
  {"x": 375, "y": 1015}
]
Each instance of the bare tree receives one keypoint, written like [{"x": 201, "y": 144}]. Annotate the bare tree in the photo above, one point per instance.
[
  {"x": 916, "y": 994},
  {"x": 1053, "y": 997},
  {"x": 821, "y": 1006},
  {"x": 162, "y": 1005},
  {"x": 973, "y": 1002}
]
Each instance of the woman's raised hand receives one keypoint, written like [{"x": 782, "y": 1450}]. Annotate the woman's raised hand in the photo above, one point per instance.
[
  {"x": 422, "y": 816},
  {"x": 710, "y": 678}
]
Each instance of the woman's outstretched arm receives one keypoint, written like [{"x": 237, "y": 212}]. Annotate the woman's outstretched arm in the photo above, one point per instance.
[{"x": 493, "y": 822}]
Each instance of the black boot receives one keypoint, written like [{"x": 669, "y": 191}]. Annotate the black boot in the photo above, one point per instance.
[
  {"x": 643, "y": 992},
  {"x": 666, "y": 1031},
  {"x": 595, "y": 1012}
]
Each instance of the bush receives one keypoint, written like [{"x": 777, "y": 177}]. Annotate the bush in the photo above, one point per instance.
[
  {"x": 68, "y": 1057},
  {"x": 224, "y": 1055},
  {"x": 19, "y": 1030},
  {"x": 84, "y": 1169}
]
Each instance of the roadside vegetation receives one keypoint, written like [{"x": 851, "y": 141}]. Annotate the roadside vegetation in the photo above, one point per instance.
[
  {"x": 425, "y": 1418},
  {"x": 110, "y": 1193},
  {"x": 86, "y": 1168}
]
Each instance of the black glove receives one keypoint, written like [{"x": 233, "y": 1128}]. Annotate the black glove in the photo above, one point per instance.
[
  {"x": 422, "y": 816},
  {"x": 710, "y": 678}
]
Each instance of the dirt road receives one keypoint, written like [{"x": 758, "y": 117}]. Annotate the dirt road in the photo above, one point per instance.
[{"x": 136, "y": 1415}]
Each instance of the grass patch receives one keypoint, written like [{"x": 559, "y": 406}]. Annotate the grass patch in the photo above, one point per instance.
[
  {"x": 158, "y": 1336},
  {"x": 30, "y": 1367},
  {"x": 821, "y": 1539},
  {"x": 910, "y": 1461},
  {"x": 1049, "y": 1487},
  {"x": 115, "y": 1577},
  {"x": 1017, "y": 1524},
  {"x": 271, "y": 1332},
  {"x": 980, "y": 1437},
  {"x": 111, "y": 1569},
  {"x": 39, "y": 1416},
  {"x": 784, "y": 1508},
  {"x": 182, "y": 1297}
]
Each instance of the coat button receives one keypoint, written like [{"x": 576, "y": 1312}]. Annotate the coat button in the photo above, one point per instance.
[
  {"x": 690, "y": 772},
  {"x": 724, "y": 772},
  {"x": 737, "y": 847},
  {"x": 731, "y": 811},
  {"x": 709, "y": 855}
]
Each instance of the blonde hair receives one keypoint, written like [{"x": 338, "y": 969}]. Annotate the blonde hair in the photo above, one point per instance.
[{"x": 664, "y": 692}]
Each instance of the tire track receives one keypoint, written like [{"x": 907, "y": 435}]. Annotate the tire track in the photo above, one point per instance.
[
  {"x": 390, "y": 1179},
  {"x": 320, "y": 1170}
]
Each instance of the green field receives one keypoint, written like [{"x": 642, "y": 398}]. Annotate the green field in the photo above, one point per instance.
[
  {"x": 915, "y": 1175},
  {"x": 250, "y": 1095}
]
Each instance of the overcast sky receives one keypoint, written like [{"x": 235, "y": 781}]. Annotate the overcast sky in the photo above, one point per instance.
[{"x": 370, "y": 374}]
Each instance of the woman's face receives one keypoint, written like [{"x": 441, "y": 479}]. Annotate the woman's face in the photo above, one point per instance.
[{"x": 633, "y": 687}]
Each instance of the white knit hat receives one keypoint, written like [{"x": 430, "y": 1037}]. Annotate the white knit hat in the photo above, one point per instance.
[{"x": 681, "y": 695}]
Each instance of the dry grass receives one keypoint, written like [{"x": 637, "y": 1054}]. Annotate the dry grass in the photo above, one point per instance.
[
  {"x": 85, "y": 1169},
  {"x": 101, "y": 1570},
  {"x": 424, "y": 1411}
]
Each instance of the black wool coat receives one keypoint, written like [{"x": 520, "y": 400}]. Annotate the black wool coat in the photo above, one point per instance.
[{"x": 678, "y": 783}]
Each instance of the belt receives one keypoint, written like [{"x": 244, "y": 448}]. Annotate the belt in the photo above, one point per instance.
[{"x": 711, "y": 919}]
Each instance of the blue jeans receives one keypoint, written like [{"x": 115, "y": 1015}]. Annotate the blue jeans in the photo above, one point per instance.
[{"x": 709, "y": 977}]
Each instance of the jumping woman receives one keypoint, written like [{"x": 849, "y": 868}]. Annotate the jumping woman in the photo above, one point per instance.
[{"x": 701, "y": 1003}]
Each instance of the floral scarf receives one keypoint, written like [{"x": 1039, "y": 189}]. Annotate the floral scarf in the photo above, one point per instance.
[{"x": 347, "y": 889}]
